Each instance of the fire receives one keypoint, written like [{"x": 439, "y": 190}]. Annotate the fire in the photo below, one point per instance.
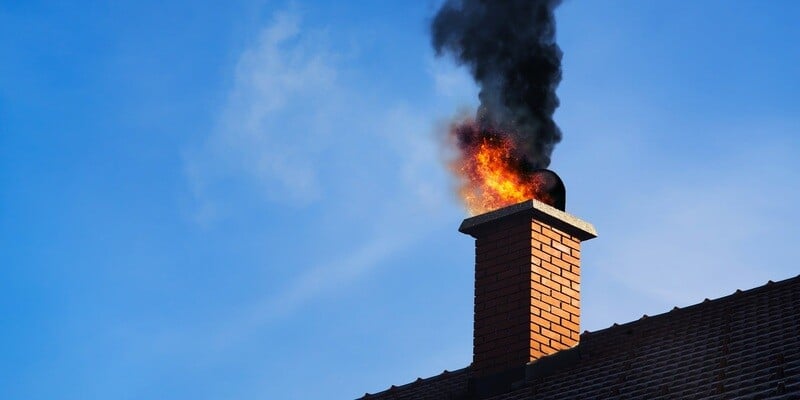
[{"x": 492, "y": 175}]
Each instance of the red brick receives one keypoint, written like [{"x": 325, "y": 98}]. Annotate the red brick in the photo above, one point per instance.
[
  {"x": 540, "y": 288},
  {"x": 540, "y": 304},
  {"x": 571, "y": 326},
  {"x": 569, "y": 275},
  {"x": 552, "y": 285},
  {"x": 535, "y": 310},
  {"x": 551, "y": 233},
  {"x": 540, "y": 273},
  {"x": 568, "y": 342},
  {"x": 540, "y": 255},
  {"x": 553, "y": 252},
  {"x": 551, "y": 317},
  {"x": 550, "y": 267},
  {"x": 560, "y": 296},
  {"x": 561, "y": 247},
  {"x": 569, "y": 292},
  {"x": 539, "y": 338},
  {"x": 570, "y": 309},
  {"x": 547, "y": 350},
  {"x": 550, "y": 334},
  {"x": 560, "y": 330},
  {"x": 571, "y": 243},
  {"x": 552, "y": 301},
  {"x": 561, "y": 313},
  {"x": 562, "y": 281},
  {"x": 570, "y": 259},
  {"x": 561, "y": 264},
  {"x": 540, "y": 322},
  {"x": 539, "y": 238}
]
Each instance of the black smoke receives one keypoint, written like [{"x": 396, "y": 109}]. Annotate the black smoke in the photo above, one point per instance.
[{"x": 510, "y": 49}]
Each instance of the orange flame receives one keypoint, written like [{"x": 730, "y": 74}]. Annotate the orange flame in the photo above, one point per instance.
[{"x": 490, "y": 173}]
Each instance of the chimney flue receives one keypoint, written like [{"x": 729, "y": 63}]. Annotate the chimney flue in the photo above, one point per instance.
[{"x": 527, "y": 284}]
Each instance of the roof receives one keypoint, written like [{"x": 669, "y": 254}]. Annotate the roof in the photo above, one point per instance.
[{"x": 742, "y": 346}]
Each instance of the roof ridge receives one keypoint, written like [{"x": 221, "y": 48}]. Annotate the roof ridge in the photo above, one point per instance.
[
  {"x": 442, "y": 375},
  {"x": 738, "y": 293}
]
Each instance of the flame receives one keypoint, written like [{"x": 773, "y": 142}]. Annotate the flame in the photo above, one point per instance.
[{"x": 491, "y": 175}]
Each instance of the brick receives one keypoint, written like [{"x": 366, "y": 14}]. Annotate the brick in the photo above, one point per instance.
[
  {"x": 507, "y": 274},
  {"x": 560, "y": 296},
  {"x": 560, "y": 313},
  {"x": 547, "y": 350},
  {"x": 571, "y": 309},
  {"x": 540, "y": 239},
  {"x": 561, "y": 264},
  {"x": 552, "y": 285},
  {"x": 540, "y": 273},
  {"x": 571, "y": 243},
  {"x": 564, "y": 282},
  {"x": 552, "y": 301},
  {"x": 551, "y": 233},
  {"x": 540, "y": 304},
  {"x": 560, "y": 330},
  {"x": 569, "y": 275},
  {"x": 541, "y": 339},
  {"x": 570, "y": 259},
  {"x": 571, "y": 325},
  {"x": 553, "y": 252},
  {"x": 551, "y": 317},
  {"x": 540, "y": 255},
  {"x": 541, "y": 288},
  {"x": 550, "y": 267},
  {"x": 540, "y": 322},
  {"x": 561, "y": 247},
  {"x": 550, "y": 334},
  {"x": 568, "y": 342},
  {"x": 569, "y": 292}
]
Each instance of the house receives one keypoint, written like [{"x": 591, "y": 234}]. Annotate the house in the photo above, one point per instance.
[{"x": 527, "y": 344}]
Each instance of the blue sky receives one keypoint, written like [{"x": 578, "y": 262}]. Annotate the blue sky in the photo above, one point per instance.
[{"x": 248, "y": 200}]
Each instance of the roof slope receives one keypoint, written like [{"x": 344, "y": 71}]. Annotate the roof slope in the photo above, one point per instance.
[{"x": 742, "y": 346}]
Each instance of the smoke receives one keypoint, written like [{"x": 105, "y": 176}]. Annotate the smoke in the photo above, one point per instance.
[{"x": 509, "y": 47}]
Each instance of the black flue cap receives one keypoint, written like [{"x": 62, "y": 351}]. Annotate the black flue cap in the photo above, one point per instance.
[{"x": 550, "y": 188}]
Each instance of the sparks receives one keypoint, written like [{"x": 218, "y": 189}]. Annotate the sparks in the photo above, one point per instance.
[{"x": 491, "y": 175}]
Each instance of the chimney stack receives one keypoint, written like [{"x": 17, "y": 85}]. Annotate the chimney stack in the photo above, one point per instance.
[{"x": 527, "y": 284}]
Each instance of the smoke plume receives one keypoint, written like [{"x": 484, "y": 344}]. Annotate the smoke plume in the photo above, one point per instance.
[{"x": 509, "y": 47}]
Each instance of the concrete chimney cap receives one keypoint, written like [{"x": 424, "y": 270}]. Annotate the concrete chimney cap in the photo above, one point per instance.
[{"x": 556, "y": 218}]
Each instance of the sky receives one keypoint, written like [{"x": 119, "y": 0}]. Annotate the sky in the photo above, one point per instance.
[{"x": 249, "y": 199}]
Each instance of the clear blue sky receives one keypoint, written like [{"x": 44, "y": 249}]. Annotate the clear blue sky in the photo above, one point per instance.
[{"x": 247, "y": 199}]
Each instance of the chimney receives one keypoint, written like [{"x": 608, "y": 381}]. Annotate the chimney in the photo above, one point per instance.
[{"x": 527, "y": 285}]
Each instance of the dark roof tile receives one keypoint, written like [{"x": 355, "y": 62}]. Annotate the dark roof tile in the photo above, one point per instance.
[{"x": 742, "y": 346}]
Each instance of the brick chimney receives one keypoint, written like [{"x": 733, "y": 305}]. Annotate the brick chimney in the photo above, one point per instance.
[{"x": 527, "y": 284}]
